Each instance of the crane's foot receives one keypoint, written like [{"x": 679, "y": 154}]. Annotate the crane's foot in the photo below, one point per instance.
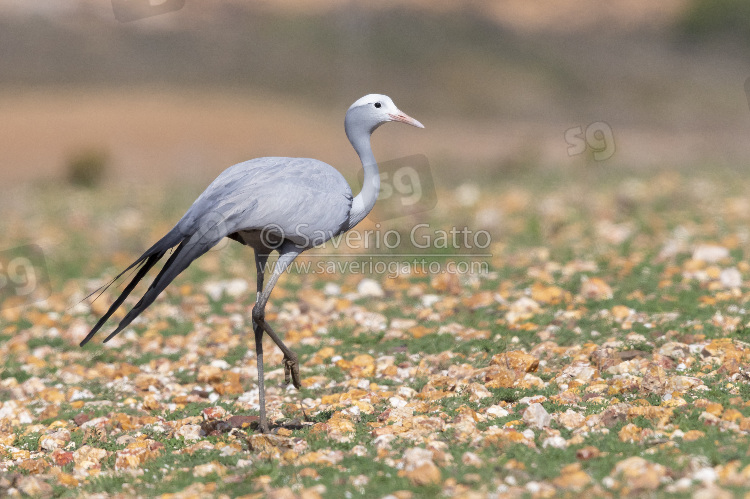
[{"x": 291, "y": 369}]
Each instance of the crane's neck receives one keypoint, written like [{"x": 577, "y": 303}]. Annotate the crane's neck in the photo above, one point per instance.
[{"x": 365, "y": 200}]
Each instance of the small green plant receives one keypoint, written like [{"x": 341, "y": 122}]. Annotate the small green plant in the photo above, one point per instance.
[
  {"x": 709, "y": 18},
  {"x": 87, "y": 168}
]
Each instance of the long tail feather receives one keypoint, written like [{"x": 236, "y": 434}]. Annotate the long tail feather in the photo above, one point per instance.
[
  {"x": 172, "y": 239},
  {"x": 145, "y": 262},
  {"x": 183, "y": 256},
  {"x": 141, "y": 273}
]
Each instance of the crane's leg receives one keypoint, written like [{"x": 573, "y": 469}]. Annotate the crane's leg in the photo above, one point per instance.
[
  {"x": 291, "y": 361},
  {"x": 263, "y": 423},
  {"x": 260, "y": 267},
  {"x": 291, "y": 365}
]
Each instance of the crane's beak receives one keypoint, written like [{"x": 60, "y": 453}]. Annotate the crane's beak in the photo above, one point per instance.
[{"x": 403, "y": 118}]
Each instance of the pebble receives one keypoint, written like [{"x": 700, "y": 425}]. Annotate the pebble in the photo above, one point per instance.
[
  {"x": 730, "y": 278},
  {"x": 497, "y": 411},
  {"x": 557, "y": 442},
  {"x": 189, "y": 432},
  {"x": 233, "y": 288},
  {"x": 537, "y": 416},
  {"x": 370, "y": 287},
  {"x": 429, "y": 300},
  {"x": 710, "y": 253},
  {"x": 705, "y": 475}
]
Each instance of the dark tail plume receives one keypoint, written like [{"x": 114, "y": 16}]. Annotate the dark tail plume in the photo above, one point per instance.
[
  {"x": 183, "y": 256},
  {"x": 145, "y": 262}
]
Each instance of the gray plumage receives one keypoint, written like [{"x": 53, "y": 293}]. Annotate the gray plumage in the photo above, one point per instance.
[{"x": 287, "y": 205}]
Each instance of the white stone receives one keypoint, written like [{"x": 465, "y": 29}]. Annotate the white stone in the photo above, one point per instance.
[
  {"x": 710, "y": 253},
  {"x": 730, "y": 278},
  {"x": 705, "y": 475},
  {"x": 359, "y": 450},
  {"x": 232, "y": 288},
  {"x": 537, "y": 416},
  {"x": 220, "y": 363},
  {"x": 524, "y": 305},
  {"x": 471, "y": 459},
  {"x": 352, "y": 410},
  {"x": 370, "y": 287},
  {"x": 415, "y": 457},
  {"x": 95, "y": 423},
  {"x": 251, "y": 397},
  {"x": 189, "y": 432},
  {"x": 397, "y": 402},
  {"x": 48, "y": 443},
  {"x": 497, "y": 411},
  {"x": 406, "y": 392},
  {"x": 557, "y": 442},
  {"x": 570, "y": 419},
  {"x": 683, "y": 484},
  {"x": 467, "y": 195},
  {"x": 534, "y": 399},
  {"x": 202, "y": 470},
  {"x": 80, "y": 395},
  {"x": 429, "y": 300},
  {"x": 370, "y": 320},
  {"x": 228, "y": 450}
]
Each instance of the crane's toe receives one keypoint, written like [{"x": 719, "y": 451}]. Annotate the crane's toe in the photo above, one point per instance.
[{"x": 291, "y": 368}]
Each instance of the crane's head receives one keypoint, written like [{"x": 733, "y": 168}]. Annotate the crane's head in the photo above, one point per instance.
[{"x": 373, "y": 110}]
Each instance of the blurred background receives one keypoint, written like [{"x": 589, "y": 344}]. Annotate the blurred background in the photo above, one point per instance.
[
  {"x": 184, "y": 94},
  {"x": 146, "y": 113}
]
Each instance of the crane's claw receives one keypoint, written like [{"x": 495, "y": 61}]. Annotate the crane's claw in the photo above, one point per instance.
[{"x": 291, "y": 368}]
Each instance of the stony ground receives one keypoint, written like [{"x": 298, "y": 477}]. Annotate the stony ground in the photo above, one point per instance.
[{"x": 602, "y": 352}]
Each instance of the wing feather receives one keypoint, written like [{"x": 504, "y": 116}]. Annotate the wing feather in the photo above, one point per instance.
[{"x": 303, "y": 198}]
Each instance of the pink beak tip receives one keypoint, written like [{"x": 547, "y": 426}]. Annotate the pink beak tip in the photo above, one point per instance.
[{"x": 403, "y": 118}]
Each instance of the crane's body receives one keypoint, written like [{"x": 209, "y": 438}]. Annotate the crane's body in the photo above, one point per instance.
[
  {"x": 299, "y": 199},
  {"x": 287, "y": 205}
]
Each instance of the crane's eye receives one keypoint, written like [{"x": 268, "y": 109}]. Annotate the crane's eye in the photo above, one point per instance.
[{"x": 378, "y": 104}]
